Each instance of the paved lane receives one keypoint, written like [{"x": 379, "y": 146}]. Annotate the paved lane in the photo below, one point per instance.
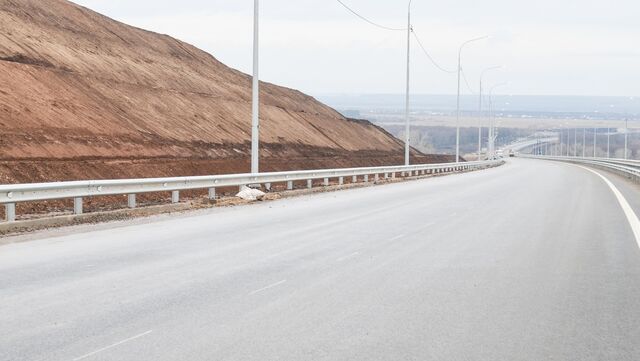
[{"x": 530, "y": 261}]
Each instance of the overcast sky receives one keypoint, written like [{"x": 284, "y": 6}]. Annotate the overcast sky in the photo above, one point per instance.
[{"x": 565, "y": 47}]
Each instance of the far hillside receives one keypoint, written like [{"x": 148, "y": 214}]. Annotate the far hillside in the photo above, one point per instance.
[{"x": 84, "y": 96}]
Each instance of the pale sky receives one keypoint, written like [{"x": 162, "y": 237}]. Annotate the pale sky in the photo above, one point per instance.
[{"x": 549, "y": 47}]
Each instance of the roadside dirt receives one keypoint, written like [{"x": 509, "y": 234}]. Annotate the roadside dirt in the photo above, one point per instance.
[{"x": 85, "y": 97}]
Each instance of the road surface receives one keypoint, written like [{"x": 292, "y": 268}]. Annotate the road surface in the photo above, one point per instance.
[{"x": 534, "y": 260}]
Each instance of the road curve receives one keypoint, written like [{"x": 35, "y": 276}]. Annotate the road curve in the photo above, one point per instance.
[{"x": 531, "y": 261}]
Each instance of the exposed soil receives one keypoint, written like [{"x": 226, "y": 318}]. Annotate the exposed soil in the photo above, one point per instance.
[{"x": 85, "y": 97}]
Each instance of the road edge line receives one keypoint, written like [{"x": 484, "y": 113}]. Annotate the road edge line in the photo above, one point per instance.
[{"x": 632, "y": 218}]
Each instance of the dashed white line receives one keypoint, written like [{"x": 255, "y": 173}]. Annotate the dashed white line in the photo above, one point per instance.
[
  {"x": 397, "y": 237},
  {"x": 354, "y": 254},
  {"x": 274, "y": 255},
  {"x": 268, "y": 287},
  {"x": 112, "y": 346},
  {"x": 632, "y": 218}
]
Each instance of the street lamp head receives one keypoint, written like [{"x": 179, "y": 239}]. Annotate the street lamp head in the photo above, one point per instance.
[{"x": 471, "y": 41}]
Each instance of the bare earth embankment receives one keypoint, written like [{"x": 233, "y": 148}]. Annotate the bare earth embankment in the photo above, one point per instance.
[{"x": 85, "y": 97}]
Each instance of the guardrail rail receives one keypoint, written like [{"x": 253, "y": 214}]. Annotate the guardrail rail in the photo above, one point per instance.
[
  {"x": 12, "y": 194},
  {"x": 625, "y": 167}
]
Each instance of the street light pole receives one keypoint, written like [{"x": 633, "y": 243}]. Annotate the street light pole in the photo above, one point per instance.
[
  {"x": 626, "y": 137},
  {"x": 575, "y": 142},
  {"x": 491, "y": 140},
  {"x": 407, "y": 126},
  {"x": 595, "y": 133},
  {"x": 584, "y": 142},
  {"x": 458, "y": 99},
  {"x": 255, "y": 116},
  {"x": 608, "y": 143},
  {"x": 480, "y": 110}
]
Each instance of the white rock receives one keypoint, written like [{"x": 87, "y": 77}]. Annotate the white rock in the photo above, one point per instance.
[{"x": 250, "y": 194}]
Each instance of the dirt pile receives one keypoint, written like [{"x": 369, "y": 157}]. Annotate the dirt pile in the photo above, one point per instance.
[{"x": 84, "y": 96}]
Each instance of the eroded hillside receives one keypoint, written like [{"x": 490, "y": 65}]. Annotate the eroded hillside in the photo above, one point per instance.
[{"x": 84, "y": 96}]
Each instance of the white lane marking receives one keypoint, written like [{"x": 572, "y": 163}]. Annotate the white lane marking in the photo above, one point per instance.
[
  {"x": 632, "y": 218},
  {"x": 268, "y": 287},
  {"x": 354, "y": 254},
  {"x": 112, "y": 346},
  {"x": 397, "y": 237},
  {"x": 274, "y": 255}
]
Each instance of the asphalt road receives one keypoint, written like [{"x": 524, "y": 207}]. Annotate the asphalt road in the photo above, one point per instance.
[{"x": 530, "y": 261}]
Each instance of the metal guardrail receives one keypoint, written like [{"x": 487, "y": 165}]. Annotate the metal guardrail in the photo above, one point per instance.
[
  {"x": 15, "y": 193},
  {"x": 626, "y": 167}
]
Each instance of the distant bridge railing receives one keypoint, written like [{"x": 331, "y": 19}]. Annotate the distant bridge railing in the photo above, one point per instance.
[
  {"x": 625, "y": 167},
  {"x": 77, "y": 190}
]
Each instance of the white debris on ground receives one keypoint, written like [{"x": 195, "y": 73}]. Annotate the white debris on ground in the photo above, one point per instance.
[{"x": 250, "y": 194}]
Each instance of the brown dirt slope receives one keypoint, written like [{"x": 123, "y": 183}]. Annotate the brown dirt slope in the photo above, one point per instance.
[{"x": 84, "y": 96}]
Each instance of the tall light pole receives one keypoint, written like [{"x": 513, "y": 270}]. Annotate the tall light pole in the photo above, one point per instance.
[
  {"x": 458, "y": 100},
  {"x": 255, "y": 108},
  {"x": 491, "y": 140},
  {"x": 626, "y": 137},
  {"x": 595, "y": 133},
  {"x": 407, "y": 126},
  {"x": 480, "y": 109},
  {"x": 584, "y": 142},
  {"x": 608, "y": 143}
]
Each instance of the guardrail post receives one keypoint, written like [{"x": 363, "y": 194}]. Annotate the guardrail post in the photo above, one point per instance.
[
  {"x": 10, "y": 212},
  {"x": 175, "y": 196},
  {"x": 354, "y": 179},
  {"x": 131, "y": 200},
  {"x": 77, "y": 205},
  {"x": 212, "y": 193},
  {"x": 386, "y": 176},
  {"x": 309, "y": 183},
  {"x": 290, "y": 185},
  {"x": 341, "y": 180},
  {"x": 326, "y": 182},
  {"x": 376, "y": 178},
  {"x": 267, "y": 186},
  {"x": 393, "y": 175},
  {"x": 366, "y": 178}
]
